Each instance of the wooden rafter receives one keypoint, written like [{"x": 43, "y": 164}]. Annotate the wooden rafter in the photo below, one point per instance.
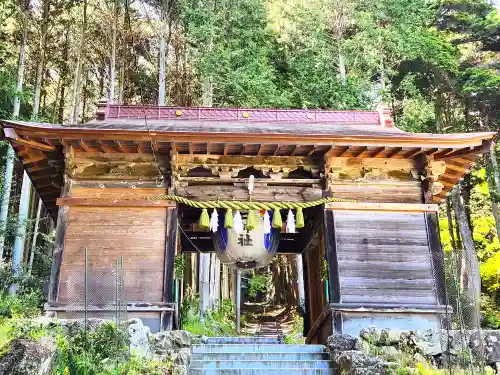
[
  {"x": 342, "y": 151},
  {"x": 395, "y": 151},
  {"x": 278, "y": 147},
  {"x": 120, "y": 146},
  {"x": 102, "y": 147},
  {"x": 83, "y": 145},
  {"x": 259, "y": 151},
  {"x": 243, "y": 149},
  {"x": 410, "y": 154},
  {"x": 11, "y": 134}
]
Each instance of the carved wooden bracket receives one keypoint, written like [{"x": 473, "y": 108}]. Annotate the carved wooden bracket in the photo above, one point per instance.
[
  {"x": 227, "y": 167},
  {"x": 368, "y": 169}
]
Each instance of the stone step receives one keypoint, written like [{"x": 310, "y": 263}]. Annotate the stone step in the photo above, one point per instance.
[
  {"x": 268, "y": 356},
  {"x": 259, "y": 364},
  {"x": 243, "y": 340},
  {"x": 260, "y": 371},
  {"x": 258, "y": 348}
]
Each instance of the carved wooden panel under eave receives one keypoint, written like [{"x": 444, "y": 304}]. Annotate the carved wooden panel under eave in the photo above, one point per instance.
[
  {"x": 227, "y": 167},
  {"x": 111, "y": 166}
]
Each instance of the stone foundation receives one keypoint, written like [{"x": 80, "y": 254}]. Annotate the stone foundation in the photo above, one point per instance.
[{"x": 380, "y": 351}]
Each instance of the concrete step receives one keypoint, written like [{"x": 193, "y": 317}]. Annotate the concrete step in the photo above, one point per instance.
[
  {"x": 259, "y": 364},
  {"x": 268, "y": 356},
  {"x": 258, "y": 348},
  {"x": 260, "y": 371},
  {"x": 243, "y": 340}
]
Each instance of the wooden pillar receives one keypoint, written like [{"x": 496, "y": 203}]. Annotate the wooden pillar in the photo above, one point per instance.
[
  {"x": 331, "y": 255},
  {"x": 437, "y": 256},
  {"x": 238, "y": 301},
  {"x": 170, "y": 250},
  {"x": 167, "y": 319},
  {"x": 57, "y": 254}
]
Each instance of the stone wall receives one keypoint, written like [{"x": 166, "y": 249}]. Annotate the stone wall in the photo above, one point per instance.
[{"x": 380, "y": 351}]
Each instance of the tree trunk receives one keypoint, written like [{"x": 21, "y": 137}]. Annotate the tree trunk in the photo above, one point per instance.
[
  {"x": 73, "y": 119},
  {"x": 112, "y": 59},
  {"x": 162, "y": 56},
  {"x": 41, "y": 58},
  {"x": 10, "y": 157},
  {"x": 204, "y": 280},
  {"x": 22, "y": 217},
  {"x": 22, "y": 62},
  {"x": 342, "y": 69},
  {"x": 121, "y": 82},
  {"x": 225, "y": 283},
  {"x": 470, "y": 256},
  {"x": 7, "y": 184},
  {"x": 300, "y": 279},
  {"x": 35, "y": 236}
]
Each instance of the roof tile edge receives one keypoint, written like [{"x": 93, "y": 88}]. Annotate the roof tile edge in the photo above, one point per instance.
[{"x": 107, "y": 111}]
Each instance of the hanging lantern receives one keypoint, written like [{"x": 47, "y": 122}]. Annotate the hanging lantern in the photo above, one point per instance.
[{"x": 250, "y": 248}]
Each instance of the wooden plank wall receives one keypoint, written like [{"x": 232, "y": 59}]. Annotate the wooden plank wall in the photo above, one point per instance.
[
  {"x": 137, "y": 233},
  {"x": 387, "y": 191},
  {"x": 384, "y": 258}
]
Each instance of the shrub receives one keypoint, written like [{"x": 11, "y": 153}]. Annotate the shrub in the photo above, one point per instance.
[{"x": 216, "y": 322}]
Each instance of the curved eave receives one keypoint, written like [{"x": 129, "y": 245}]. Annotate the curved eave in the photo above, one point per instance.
[
  {"x": 394, "y": 138},
  {"x": 40, "y": 147}
]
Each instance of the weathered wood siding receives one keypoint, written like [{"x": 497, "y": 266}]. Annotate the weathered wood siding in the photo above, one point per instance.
[
  {"x": 137, "y": 234},
  {"x": 384, "y": 258},
  {"x": 387, "y": 191}
]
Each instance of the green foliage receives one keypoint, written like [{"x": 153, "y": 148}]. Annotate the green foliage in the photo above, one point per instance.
[
  {"x": 179, "y": 266},
  {"x": 95, "y": 352},
  {"x": 259, "y": 283},
  {"x": 216, "y": 322},
  {"x": 139, "y": 366},
  {"x": 295, "y": 335}
]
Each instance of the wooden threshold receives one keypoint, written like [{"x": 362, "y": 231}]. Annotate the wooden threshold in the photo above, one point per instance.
[
  {"x": 93, "y": 202},
  {"x": 378, "y": 207}
]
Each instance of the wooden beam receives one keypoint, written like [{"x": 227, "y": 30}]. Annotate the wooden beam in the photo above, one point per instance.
[
  {"x": 32, "y": 158},
  {"x": 190, "y": 146},
  {"x": 243, "y": 149},
  {"x": 295, "y": 149},
  {"x": 262, "y": 194},
  {"x": 470, "y": 151},
  {"x": 11, "y": 134},
  {"x": 379, "y": 163},
  {"x": 57, "y": 255},
  {"x": 226, "y": 146},
  {"x": 390, "y": 207},
  {"x": 113, "y": 202}
]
